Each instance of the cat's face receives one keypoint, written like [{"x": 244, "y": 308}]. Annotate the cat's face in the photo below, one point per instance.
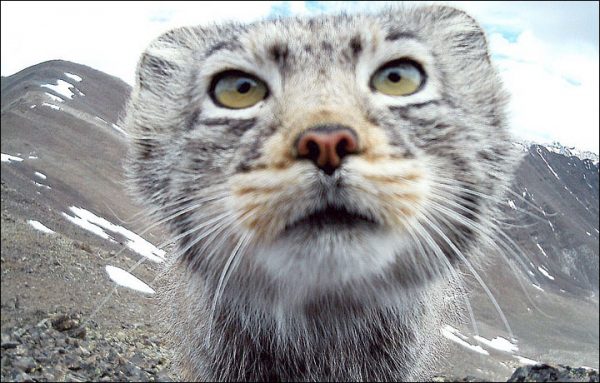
[{"x": 407, "y": 137}]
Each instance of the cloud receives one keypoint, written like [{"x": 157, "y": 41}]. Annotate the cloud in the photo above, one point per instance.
[
  {"x": 547, "y": 52},
  {"x": 554, "y": 90},
  {"x": 106, "y": 36}
]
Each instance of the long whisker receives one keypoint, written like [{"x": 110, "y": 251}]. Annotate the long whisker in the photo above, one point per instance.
[
  {"x": 530, "y": 204},
  {"x": 471, "y": 269},
  {"x": 218, "y": 292},
  {"x": 470, "y": 223},
  {"x": 452, "y": 185},
  {"x": 490, "y": 241},
  {"x": 450, "y": 268}
]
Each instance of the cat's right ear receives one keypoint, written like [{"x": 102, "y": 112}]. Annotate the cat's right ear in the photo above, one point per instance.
[
  {"x": 159, "y": 105},
  {"x": 163, "y": 78}
]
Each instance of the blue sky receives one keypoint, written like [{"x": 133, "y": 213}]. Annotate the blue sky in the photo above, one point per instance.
[{"x": 547, "y": 52}]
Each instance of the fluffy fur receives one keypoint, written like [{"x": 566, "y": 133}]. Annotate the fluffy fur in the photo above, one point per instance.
[{"x": 255, "y": 292}]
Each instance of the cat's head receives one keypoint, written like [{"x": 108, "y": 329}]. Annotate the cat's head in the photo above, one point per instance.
[{"x": 320, "y": 151}]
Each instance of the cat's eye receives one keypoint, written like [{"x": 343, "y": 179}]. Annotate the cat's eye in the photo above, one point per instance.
[
  {"x": 237, "y": 90},
  {"x": 398, "y": 78}
]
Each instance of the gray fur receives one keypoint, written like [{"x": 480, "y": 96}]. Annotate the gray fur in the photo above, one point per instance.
[{"x": 246, "y": 304}]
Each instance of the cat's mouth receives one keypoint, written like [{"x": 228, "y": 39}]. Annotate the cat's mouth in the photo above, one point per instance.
[{"x": 338, "y": 217}]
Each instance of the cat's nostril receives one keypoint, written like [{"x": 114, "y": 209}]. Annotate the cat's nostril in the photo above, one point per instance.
[{"x": 326, "y": 146}]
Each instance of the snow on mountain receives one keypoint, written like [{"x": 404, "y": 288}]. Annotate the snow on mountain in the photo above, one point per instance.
[{"x": 556, "y": 147}]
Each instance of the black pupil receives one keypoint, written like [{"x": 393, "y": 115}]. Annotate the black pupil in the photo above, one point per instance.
[
  {"x": 393, "y": 77},
  {"x": 244, "y": 86}
]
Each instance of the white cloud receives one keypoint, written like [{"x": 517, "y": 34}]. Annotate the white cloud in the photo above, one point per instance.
[
  {"x": 106, "y": 36},
  {"x": 547, "y": 52},
  {"x": 554, "y": 90}
]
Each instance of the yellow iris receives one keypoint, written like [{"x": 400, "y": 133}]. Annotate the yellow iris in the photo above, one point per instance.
[
  {"x": 398, "y": 78},
  {"x": 237, "y": 90}
]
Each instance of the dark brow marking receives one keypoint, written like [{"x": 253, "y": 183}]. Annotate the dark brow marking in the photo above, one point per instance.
[
  {"x": 223, "y": 45},
  {"x": 399, "y": 35},
  {"x": 279, "y": 53},
  {"x": 355, "y": 46}
]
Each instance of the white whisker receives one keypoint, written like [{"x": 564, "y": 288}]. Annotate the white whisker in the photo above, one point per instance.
[{"x": 471, "y": 269}]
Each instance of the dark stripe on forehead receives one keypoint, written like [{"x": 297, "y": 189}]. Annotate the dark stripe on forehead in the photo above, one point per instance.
[
  {"x": 279, "y": 53},
  {"x": 223, "y": 45},
  {"x": 355, "y": 46},
  {"x": 400, "y": 35}
]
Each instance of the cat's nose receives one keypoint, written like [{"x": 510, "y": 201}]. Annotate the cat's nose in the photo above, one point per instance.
[{"x": 327, "y": 145}]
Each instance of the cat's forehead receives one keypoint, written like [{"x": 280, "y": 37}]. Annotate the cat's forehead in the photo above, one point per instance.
[
  {"x": 326, "y": 39},
  {"x": 321, "y": 32}
]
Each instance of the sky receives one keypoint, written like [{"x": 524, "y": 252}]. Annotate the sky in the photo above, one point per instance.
[{"x": 546, "y": 52}]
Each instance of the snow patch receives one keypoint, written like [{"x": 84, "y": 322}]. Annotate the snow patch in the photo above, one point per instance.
[
  {"x": 38, "y": 226},
  {"x": 41, "y": 175},
  {"x": 96, "y": 225},
  {"x": 73, "y": 76},
  {"x": 114, "y": 126},
  {"x": 33, "y": 157},
  {"x": 32, "y": 106},
  {"x": 547, "y": 164},
  {"x": 511, "y": 203},
  {"x": 51, "y": 106},
  {"x": 498, "y": 343},
  {"x": 42, "y": 185},
  {"x": 545, "y": 272},
  {"x": 9, "y": 158},
  {"x": 453, "y": 334},
  {"x": 542, "y": 250},
  {"x": 525, "y": 361},
  {"x": 537, "y": 287},
  {"x": 123, "y": 278},
  {"x": 119, "y": 129},
  {"x": 53, "y": 97},
  {"x": 62, "y": 88}
]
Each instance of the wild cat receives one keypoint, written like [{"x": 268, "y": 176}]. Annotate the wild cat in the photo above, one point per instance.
[{"x": 323, "y": 180}]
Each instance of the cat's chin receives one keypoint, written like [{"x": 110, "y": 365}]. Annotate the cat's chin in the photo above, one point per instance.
[{"x": 306, "y": 258}]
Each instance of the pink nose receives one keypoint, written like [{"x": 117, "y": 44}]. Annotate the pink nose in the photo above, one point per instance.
[{"x": 327, "y": 145}]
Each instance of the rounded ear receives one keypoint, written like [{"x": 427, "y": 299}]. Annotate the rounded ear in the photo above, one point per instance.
[
  {"x": 461, "y": 31},
  {"x": 156, "y": 108}
]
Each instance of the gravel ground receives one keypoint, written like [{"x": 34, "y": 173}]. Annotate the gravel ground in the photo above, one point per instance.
[{"x": 61, "y": 348}]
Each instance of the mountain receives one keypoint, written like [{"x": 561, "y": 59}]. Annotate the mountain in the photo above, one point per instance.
[
  {"x": 62, "y": 170},
  {"x": 65, "y": 114},
  {"x": 62, "y": 154},
  {"x": 564, "y": 235}
]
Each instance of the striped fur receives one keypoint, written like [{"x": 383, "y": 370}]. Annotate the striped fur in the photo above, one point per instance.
[{"x": 253, "y": 297}]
